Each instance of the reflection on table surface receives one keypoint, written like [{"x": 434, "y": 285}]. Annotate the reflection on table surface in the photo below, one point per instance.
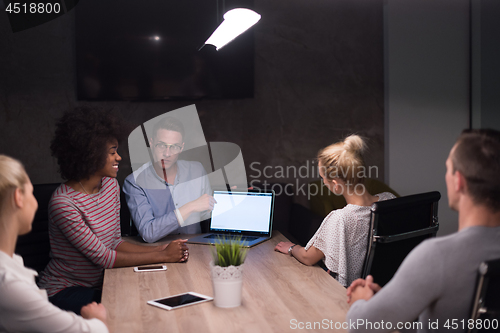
[{"x": 279, "y": 294}]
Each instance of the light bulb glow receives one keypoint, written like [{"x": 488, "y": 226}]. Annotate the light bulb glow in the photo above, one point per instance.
[{"x": 236, "y": 22}]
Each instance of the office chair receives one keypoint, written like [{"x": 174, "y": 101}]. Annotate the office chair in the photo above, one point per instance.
[
  {"x": 396, "y": 227},
  {"x": 34, "y": 247},
  {"x": 486, "y": 302}
]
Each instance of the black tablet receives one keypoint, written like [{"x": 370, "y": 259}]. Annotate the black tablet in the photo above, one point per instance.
[{"x": 179, "y": 301}]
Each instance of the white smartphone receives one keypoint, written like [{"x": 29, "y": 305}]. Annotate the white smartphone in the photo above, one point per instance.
[
  {"x": 179, "y": 301},
  {"x": 150, "y": 268}
]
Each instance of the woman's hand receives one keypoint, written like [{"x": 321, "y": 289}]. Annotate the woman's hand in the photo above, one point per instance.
[
  {"x": 94, "y": 310},
  {"x": 161, "y": 247},
  {"x": 283, "y": 247},
  {"x": 176, "y": 251}
]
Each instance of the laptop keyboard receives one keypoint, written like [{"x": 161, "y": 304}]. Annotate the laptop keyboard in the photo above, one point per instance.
[{"x": 243, "y": 238}]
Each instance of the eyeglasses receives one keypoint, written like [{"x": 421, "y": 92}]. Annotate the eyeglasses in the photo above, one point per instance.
[{"x": 174, "y": 149}]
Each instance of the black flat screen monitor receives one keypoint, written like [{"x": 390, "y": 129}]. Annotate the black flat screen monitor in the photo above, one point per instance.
[{"x": 150, "y": 50}]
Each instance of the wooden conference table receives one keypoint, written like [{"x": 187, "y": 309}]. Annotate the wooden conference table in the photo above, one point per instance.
[{"x": 279, "y": 295}]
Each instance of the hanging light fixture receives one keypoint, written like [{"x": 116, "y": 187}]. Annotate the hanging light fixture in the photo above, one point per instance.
[{"x": 236, "y": 22}]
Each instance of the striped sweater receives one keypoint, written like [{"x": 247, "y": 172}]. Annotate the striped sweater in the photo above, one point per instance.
[{"x": 84, "y": 232}]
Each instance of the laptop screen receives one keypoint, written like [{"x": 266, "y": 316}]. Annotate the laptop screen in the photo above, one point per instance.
[{"x": 242, "y": 211}]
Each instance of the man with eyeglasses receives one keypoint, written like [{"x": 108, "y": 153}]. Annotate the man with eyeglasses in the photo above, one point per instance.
[{"x": 168, "y": 196}]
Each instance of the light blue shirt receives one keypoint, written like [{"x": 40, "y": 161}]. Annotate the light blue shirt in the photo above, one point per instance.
[{"x": 154, "y": 204}]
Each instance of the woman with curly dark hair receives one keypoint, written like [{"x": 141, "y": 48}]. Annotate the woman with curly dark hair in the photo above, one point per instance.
[{"x": 84, "y": 212}]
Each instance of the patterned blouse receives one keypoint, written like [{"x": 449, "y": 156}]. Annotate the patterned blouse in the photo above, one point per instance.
[{"x": 343, "y": 239}]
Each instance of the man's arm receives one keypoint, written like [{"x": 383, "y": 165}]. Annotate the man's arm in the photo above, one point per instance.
[
  {"x": 207, "y": 189},
  {"x": 150, "y": 228},
  {"x": 414, "y": 287},
  {"x": 362, "y": 289},
  {"x": 203, "y": 203}
]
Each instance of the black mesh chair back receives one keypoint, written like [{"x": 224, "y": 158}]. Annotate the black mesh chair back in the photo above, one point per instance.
[
  {"x": 126, "y": 224},
  {"x": 486, "y": 302},
  {"x": 34, "y": 247},
  {"x": 397, "y": 226}
]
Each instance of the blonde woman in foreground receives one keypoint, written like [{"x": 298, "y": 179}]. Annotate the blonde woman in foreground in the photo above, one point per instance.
[
  {"x": 24, "y": 307},
  {"x": 341, "y": 240}
]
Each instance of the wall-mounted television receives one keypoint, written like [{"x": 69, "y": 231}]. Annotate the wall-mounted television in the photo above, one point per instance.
[{"x": 150, "y": 50}]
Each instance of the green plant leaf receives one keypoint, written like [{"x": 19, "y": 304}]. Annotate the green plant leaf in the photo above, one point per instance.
[{"x": 229, "y": 251}]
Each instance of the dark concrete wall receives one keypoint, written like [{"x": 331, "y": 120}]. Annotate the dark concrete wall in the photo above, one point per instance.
[
  {"x": 489, "y": 84},
  {"x": 427, "y": 94},
  {"x": 318, "y": 77}
]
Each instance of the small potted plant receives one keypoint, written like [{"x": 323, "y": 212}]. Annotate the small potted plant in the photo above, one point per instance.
[{"x": 227, "y": 271}]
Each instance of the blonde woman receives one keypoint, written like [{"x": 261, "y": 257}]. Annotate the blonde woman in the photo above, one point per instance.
[
  {"x": 24, "y": 307},
  {"x": 341, "y": 240}
]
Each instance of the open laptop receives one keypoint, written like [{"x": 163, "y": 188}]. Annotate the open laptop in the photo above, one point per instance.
[{"x": 248, "y": 215}]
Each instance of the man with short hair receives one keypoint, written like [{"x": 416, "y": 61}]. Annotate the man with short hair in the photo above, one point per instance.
[
  {"x": 169, "y": 195},
  {"x": 436, "y": 282}
]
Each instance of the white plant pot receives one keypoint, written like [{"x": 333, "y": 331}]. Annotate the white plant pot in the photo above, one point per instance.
[{"x": 227, "y": 283}]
